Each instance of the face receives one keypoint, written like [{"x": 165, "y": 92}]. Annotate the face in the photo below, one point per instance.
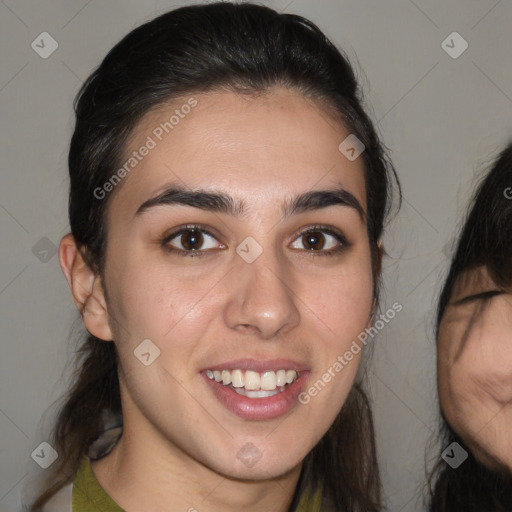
[
  {"x": 475, "y": 366},
  {"x": 248, "y": 287}
]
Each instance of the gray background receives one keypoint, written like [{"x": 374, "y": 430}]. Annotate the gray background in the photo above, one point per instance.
[{"x": 442, "y": 118}]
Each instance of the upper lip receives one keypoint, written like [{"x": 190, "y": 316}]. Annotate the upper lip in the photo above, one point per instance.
[{"x": 259, "y": 365}]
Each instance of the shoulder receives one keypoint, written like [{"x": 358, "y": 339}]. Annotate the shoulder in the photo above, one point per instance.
[
  {"x": 62, "y": 500},
  {"x": 315, "y": 501}
]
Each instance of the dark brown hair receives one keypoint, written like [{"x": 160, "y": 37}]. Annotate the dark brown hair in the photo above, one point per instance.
[
  {"x": 242, "y": 48},
  {"x": 485, "y": 240}
]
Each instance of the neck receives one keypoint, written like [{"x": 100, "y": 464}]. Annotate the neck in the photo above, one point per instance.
[{"x": 146, "y": 471}]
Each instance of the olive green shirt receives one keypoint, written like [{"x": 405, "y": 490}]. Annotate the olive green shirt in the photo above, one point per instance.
[{"x": 89, "y": 496}]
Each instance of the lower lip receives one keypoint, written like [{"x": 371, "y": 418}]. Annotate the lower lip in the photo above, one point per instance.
[{"x": 258, "y": 408}]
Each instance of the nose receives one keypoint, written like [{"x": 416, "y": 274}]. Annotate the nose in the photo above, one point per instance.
[{"x": 261, "y": 301}]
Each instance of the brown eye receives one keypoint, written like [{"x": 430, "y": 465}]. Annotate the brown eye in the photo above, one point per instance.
[
  {"x": 321, "y": 240},
  {"x": 314, "y": 240},
  {"x": 191, "y": 241}
]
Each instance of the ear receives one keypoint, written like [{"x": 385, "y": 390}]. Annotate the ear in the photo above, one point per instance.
[{"x": 86, "y": 288}]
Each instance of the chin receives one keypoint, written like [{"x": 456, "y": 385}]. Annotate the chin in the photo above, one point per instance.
[{"x": 253, "y": 469}]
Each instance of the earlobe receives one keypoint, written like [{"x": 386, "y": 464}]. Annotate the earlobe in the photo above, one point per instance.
[{"x": 86, "y": 287}]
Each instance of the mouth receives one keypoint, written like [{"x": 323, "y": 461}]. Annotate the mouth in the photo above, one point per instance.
[
  {"x": 255, "y": 390},
  {"x": 254, "y": 384}
]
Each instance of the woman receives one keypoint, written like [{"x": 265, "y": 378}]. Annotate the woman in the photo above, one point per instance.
[
  {"x": 228, "y": 196},
  {"x": 475, "y": 355}
]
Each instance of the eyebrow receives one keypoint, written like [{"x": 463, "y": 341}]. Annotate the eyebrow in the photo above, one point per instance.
[{"x": 220, "y": 202}]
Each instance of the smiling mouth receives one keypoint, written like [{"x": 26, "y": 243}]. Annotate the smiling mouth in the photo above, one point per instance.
[
  {"x": 261, "y": 395},
  {"x": 254, "y": 384}
]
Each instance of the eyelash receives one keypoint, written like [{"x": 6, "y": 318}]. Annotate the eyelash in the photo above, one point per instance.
[{"x": 344, "y": 244}]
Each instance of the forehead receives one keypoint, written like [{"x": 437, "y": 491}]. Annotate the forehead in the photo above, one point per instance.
[{"x": 262, "y": 146}]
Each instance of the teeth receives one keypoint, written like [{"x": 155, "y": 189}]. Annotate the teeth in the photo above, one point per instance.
[
  {"x": 290, "y": 376},
  {"x": 226, "y": 377},
  {"x": 252, "y": 380},
  {"x": 268, "y": 381},
  {"x": 280, "y": 378},
  {"x": 258, "y": 394},
  {"x": 237, "y": 379},
  {"x": 254, "y": 384}
]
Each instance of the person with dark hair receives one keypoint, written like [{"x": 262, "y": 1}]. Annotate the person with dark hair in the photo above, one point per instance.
[
  {"x": 474, "y": 358},
  {"x": 228, "y": 195}
]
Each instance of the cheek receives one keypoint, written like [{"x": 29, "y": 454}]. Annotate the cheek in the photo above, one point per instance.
[
  {"x": 153, "y": 300},
  {"x": 342, "y": 301},
  {"x": 176, "y": 306},
  {"x": 446, "y": 348},
  {"x": 448, "y": 379}
]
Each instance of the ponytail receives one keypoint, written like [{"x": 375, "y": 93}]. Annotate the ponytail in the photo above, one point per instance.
[{"x": 81, "y": 419}]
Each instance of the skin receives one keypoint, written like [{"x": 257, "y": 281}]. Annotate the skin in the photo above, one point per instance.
[
  {"x": 475, "y": 368},
  {"x": 179, "y": 446}
]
